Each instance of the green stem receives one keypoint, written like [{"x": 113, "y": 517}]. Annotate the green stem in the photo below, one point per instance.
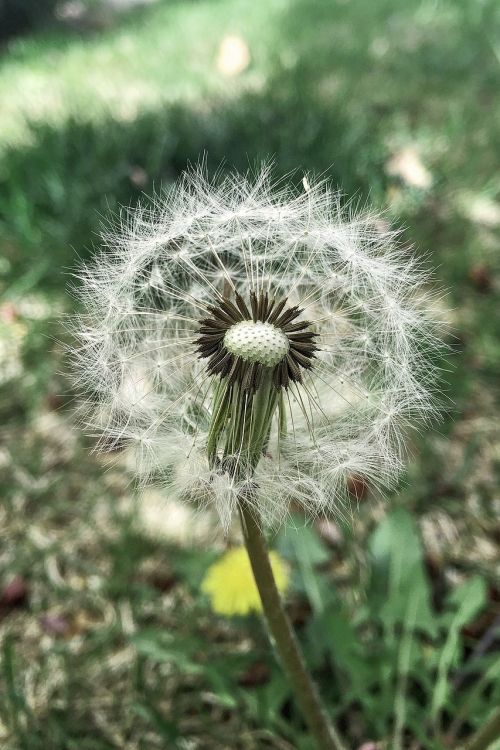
[
  {"x": 286, "y": 643},
  {"x": 486, "y": 735}
]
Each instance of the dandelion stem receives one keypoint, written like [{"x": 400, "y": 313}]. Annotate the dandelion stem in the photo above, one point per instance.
[
  {"x": 486, "y": 735},
  {"x": 284, "y": 637}
]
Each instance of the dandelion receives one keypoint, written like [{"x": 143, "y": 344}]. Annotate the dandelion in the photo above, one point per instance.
[
  {"x": 230, "y": 585},
  {"x": 257, "y": 348}
]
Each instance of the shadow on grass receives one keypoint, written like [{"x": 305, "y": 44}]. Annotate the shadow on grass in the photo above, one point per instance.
[
  {"x": 54, "y": 193},
  {"x": 20, "y": 16},
  {"x": 56, "y": 22},
  {"x": 358, "y": 78}
]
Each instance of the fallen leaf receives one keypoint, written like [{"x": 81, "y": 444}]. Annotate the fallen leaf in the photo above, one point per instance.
[
  {"x": 480, "y": 277},
  {"x": 408, "y": 166},
  {"x": 14, "y": 593},
  {"x": 483, "y": 211},
  {"x": 233, "y": 57},
  {"x": 256, "y": 674}
]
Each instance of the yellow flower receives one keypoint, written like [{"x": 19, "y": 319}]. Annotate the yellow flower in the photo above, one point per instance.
[{"x": 230, "y": 585}]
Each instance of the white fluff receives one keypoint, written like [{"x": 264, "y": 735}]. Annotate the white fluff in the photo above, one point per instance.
[{"x": 145, "y": 293}]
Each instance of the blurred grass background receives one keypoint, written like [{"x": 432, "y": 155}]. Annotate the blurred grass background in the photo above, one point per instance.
[{"x": 106, "y": 640}]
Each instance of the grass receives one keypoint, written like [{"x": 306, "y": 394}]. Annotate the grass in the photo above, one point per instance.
[
  {"x": 111, "y": 644},
  {"x": 153, "y": 56}
]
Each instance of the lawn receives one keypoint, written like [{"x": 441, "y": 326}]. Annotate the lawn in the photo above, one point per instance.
[{"x": 107, "y": 639}]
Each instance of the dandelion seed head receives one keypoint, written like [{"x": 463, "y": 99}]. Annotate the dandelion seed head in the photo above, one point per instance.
[{"x": 243, "y": 337}]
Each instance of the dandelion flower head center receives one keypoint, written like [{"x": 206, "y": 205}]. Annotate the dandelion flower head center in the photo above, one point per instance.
[
  {"x": 257, "y": 342},
  {"x": 249, "y": 343}
]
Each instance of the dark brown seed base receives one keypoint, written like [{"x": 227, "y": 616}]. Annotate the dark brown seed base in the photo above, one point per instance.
[{"x": 224, "y": 315}]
